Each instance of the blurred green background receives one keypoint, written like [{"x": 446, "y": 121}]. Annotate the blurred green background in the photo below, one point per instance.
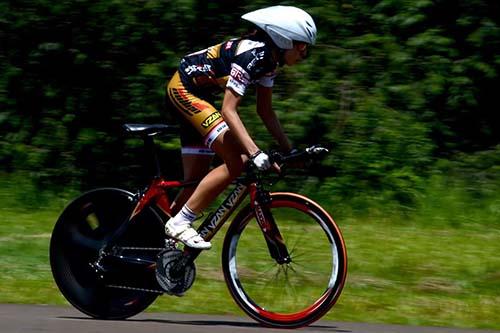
[{"x": 403, "y": 92}]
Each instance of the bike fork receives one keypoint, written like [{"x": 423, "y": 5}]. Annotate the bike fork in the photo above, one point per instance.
[{"x": 260, "y": 202}]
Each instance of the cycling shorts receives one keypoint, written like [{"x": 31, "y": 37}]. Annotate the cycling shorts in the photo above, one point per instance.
[{"x": 200, "y": 122}]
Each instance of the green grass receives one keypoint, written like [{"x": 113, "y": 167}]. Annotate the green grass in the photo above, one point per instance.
[
  {"x": 440, "y": 267},
  {"x": 24, "y": 239},
  {"x": 413, "y": 275},
  {"x": 399, "y": 272}
]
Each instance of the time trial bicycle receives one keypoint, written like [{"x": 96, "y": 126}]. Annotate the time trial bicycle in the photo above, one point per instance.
[{"x": 283, "y": 257}]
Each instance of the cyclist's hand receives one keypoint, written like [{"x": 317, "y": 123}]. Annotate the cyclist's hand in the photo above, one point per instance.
[
  {"x": 276, "y": 167},
  {"x": 261, "y": 161}
]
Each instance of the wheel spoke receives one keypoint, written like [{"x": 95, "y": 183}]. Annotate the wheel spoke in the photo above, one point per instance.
[{"x": 293, "y": 248}]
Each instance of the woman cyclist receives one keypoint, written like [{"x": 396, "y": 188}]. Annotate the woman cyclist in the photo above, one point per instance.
[{"x": 282, "y": 37}]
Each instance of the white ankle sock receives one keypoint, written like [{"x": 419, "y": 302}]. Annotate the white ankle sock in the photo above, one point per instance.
[{"x": 185, "y": 216}]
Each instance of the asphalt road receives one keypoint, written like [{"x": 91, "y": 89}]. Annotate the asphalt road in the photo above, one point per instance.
[{"x": 38, "y": 318}]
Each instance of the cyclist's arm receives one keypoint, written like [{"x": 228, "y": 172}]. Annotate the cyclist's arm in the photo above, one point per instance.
[
  {"x": 268, "y": 116},
  {"x": 229, "y": 113}
]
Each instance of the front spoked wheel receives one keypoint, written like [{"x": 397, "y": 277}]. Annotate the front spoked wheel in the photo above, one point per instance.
[{"x": 292, "y": 294}]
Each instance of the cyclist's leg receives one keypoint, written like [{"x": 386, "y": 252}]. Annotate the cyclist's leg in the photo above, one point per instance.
[
  {"x": 196, "y": 157},
  {"x": 208, "y": 122},
  {"x": 195, "y": 167},
  {"x": 204, "y": 125},
  {"x": 218, "y": 179}
]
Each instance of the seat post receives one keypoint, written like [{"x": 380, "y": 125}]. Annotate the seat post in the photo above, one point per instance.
[{"x": 151, "y": 155}]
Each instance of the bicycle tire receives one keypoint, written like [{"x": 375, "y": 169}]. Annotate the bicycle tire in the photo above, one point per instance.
[
  {"x": 76, "y": 239},
  {"x": 253, "y": 277}
]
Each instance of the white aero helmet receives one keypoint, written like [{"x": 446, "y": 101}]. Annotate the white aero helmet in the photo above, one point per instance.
[{"x": 284, "y": 24}]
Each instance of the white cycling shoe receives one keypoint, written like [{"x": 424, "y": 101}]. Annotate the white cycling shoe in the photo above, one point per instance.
[{"x": 186, "y": 235}]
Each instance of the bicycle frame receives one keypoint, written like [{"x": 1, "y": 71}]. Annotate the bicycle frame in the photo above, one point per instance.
[
  {"x": 155, "y": 195},
  {"x": 259, "y": 200}
]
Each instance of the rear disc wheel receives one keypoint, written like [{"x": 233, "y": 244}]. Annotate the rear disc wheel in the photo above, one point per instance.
[{"x": 78, "y": 236}]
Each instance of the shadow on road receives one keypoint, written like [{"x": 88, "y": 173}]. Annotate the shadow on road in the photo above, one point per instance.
[{"x": 229, "y": 323}]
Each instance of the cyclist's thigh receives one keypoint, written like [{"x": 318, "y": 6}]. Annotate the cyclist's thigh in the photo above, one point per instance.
[
  {"x": 227, "y": 147},
  {"x": 203, "y": 117}
]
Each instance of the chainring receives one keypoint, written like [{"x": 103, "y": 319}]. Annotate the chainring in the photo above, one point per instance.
[{"x": 174, "y": 283}]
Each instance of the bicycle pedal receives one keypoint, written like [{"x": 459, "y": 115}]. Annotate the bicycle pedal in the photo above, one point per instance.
[{"x": 171, "y": 243}]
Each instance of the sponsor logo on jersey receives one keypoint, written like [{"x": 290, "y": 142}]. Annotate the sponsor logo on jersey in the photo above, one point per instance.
[
  {"x": 239, "y": 74},
  {"x": 205, "y": 68},
  {"x": 211, "y": 119},
  {"x": 214, "y": 133},
  {"x": 238, "y": 80},
  {"x": 184, "y": 103},
  {"x": 257, "y": 57}
]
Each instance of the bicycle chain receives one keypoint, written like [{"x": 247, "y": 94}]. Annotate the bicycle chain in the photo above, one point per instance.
[
  {"x": 140, "y": 248},
  {"x": 135, "y": 288}
]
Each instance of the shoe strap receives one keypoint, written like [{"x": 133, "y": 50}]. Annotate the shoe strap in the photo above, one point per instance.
[{"x": 188, "y": 233}]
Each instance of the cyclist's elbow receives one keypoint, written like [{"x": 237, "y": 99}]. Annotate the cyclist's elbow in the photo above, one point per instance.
[{"x": 227, "y": 111}]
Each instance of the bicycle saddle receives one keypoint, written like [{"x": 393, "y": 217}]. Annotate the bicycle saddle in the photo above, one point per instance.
[{"x": 150, "y": 130}]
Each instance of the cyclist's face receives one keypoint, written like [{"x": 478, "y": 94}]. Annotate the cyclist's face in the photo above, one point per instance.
[{"x": 296, "y": 54}]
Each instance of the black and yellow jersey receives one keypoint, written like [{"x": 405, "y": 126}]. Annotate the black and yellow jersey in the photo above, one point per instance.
[{"x": 235, "y": 64}]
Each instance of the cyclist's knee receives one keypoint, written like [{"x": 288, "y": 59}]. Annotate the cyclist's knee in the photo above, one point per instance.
[
  {"x": 227, "y": 147},
  {"x": 235, "y": 166}
]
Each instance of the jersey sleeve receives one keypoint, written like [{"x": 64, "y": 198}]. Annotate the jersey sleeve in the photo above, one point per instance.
[
  {"x": 239, "y": 79},
  {"x": 267, "y": 80},
  {"x": 252, "y": 66}
]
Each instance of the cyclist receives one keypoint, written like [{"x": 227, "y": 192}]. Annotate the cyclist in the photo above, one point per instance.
[{"x": 282, "y": 36}]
